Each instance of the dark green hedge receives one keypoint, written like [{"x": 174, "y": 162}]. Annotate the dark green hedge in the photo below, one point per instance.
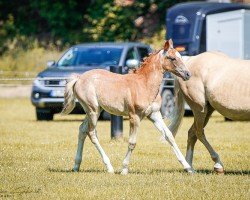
[{"x": 68, "y": 22}]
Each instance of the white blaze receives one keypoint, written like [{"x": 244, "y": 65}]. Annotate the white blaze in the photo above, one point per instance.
[{"x": 178, "y": 54}]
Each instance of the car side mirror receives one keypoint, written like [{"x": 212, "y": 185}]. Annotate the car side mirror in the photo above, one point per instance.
[
  {"x": 132, "y": 63},
  {"x": 50, "y": 63}
]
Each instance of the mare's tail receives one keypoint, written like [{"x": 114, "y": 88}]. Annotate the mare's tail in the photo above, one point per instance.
[
  {"x": 178, "y": 112},
  {"x": 69, "y": 97}
]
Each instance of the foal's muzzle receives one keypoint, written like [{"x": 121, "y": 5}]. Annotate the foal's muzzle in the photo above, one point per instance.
[
  {"x": 184, "y": 74},
  {"x": 187, "y": 75}
]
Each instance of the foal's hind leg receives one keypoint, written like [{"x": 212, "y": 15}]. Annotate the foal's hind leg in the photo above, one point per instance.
[
  {"x": 93, "y": 117},
  {"x": 134, "y": 124},
  {"x": 200, "y": 122},
  {"x": 156, "y": 118},
  {"x": 83, "y": 130}
]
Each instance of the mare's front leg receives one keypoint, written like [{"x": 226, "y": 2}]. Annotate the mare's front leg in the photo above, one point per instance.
[
  {"x": 134, "y": 124},
  {"x": 192, "y": 138},
  {"x": 156, "y": 118},
  {"x": 200, "y": 121}
]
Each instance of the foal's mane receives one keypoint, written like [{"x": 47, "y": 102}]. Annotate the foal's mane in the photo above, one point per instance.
[{"x": 146, "y": 61}]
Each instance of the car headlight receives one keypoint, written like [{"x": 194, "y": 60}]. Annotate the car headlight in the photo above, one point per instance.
[{"x": 38, "y": 82}]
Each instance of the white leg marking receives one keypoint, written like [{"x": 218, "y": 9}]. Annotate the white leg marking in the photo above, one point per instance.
[
  {"x": 156, "y": 117},
  {"x": 105, "y": 158}
]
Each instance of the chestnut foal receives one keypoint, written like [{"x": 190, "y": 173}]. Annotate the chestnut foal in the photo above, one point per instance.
[{"x": 135, "y": 95}]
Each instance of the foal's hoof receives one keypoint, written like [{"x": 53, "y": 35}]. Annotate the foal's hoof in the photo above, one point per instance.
[
  {"x": 189, "y": 170},
  {"x": 111, "y": 171},
  {"x": 124, "y": 171},
  {"x": 219, "y": 170}
]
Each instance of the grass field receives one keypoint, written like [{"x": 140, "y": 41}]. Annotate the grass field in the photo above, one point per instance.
[{"x": 36, "y": 160}]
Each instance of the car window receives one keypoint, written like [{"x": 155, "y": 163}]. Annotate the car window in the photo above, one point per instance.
[
  {"x": 131, "y": 54},
  {"x": 68, "y": 58},
  {"x": 91, "y": 56},
  {"x": 143, "y": 52}
]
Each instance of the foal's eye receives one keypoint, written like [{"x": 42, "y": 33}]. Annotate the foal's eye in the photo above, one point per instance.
[{"x": 172, "y": 59}]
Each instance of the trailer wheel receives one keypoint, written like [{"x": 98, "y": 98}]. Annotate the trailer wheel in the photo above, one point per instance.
[{"x": 167, "y": 105}]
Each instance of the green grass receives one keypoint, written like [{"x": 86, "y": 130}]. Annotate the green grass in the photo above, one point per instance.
[{"x": 36, "y": 160}]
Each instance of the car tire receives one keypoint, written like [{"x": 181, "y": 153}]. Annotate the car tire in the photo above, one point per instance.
[
  {"x": 168, "y": 103},
  {"x": 44, "y": 115}
]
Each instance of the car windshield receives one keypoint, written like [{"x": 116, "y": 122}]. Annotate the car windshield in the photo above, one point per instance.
[{"x": 91, "y": 56}]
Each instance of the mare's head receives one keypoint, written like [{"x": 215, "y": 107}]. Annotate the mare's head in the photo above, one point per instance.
[{"x": 173, "y": 61}]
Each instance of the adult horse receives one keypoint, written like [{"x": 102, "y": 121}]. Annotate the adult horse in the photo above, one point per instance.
[
  {"x": 135, "y": 95},
  {"x": 219, "y": 83}
]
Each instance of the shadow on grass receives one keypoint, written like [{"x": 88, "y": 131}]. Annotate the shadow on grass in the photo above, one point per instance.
[
  {"x": 71, "y": 170},
  {"x": 154, "y": 171},
  {"x": 17, "y": 191},
  {"x": 227, "y": 172}
]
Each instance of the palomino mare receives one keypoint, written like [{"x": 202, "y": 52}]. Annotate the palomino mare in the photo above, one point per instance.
[
  {"x": 217, "y": 83},
  {"x": 135, "y": 95}
]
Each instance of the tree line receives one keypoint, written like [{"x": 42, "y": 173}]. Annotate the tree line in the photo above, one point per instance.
[{"x": 60, "y": 23}]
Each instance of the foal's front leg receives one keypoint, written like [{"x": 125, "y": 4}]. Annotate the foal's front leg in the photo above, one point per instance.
[
  {"x": 134, "y": 124},
  {"x": 156, "y": 118}
]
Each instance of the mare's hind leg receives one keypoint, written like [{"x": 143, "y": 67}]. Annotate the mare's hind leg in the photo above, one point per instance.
[
  {"x": 83, "y": 130},
  {"x": 93, "y": 117},
  {"x": 156, "y": 118},
  {"x": 192, "y": 138},
  {"x": 134, "y": 124},
  {"x": 200, "y": 120}
]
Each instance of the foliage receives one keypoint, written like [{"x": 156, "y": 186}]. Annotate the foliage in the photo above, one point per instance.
[
  {"x": 106, "y": 21},
  {"x": 68, "y": 22},
  {"x": 57, "y": 22},
  {"x": 30, "y": 30}
]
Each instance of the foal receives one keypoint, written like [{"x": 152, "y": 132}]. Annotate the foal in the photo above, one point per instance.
[{"x": 135, "y": 95}]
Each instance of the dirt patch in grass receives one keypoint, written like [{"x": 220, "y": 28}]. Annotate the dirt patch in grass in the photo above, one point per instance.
[{"x": 14, "y": 91}]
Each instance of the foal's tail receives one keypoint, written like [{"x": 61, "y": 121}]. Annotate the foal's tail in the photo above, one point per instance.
[
  {"x": 178, "y": 112},
  {"x": 69, "y": 97}
]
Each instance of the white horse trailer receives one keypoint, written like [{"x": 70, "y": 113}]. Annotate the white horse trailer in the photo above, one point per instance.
[{"x": 229, "y": 32}]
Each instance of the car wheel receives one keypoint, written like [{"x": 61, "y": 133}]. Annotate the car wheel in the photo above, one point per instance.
[
  {"x": 44, "y": 114},
  {"x": 167, "y": 105}
]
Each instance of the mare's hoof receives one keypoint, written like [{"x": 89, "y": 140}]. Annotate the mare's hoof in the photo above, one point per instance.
[
  {"x": 219, "y": 170},
  {"x": 75, "y": 170},
  {"x": 124, "y": 171},
  {"x": 189, "y": 170}
]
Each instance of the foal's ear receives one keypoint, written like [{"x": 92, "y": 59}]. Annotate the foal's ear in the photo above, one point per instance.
[{"x": 168, "y": 44}]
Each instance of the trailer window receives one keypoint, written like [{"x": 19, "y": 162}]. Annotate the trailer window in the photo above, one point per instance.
[{"x": 181, "y": 31}]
